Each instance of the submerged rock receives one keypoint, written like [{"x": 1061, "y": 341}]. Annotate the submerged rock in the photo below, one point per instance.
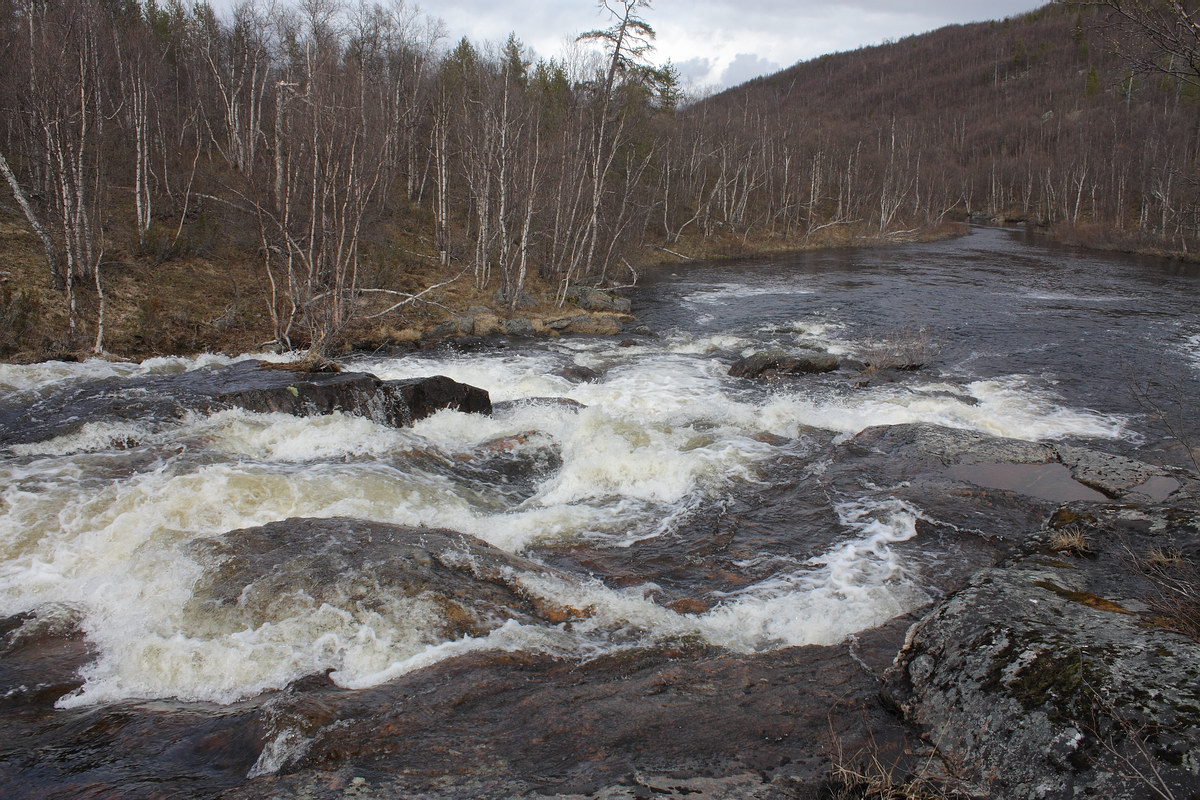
[
  {"x": 363, "y": 568},
  {"x": 41, "y": 654}
]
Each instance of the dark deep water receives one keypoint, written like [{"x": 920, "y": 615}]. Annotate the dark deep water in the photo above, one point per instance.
[{"x": 678, "y": 507}]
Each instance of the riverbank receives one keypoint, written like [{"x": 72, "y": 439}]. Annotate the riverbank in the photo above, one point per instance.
[
  {"x": 217, "y": 300},
  {"x": 1096, "y": 237}
]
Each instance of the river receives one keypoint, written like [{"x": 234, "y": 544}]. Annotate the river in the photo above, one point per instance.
[{"x": 634, "y": 491}]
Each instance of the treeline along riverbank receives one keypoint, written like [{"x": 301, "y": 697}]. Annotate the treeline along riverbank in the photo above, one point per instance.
[{"x": 322, "y": 174}]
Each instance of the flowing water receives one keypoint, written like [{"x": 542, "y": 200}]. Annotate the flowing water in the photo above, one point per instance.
[{"x": 632, "y": 492}]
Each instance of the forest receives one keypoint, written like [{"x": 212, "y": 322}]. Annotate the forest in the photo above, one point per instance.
[{"x": 324, "y": 172}]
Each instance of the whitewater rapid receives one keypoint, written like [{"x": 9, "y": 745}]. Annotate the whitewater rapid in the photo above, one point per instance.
[{"x": 99, "y": 527}]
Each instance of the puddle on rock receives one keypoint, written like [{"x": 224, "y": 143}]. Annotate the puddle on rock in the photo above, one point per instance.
[
  {"x": 1158, "y": 488},
  {"x": 1047, "y": 481}
]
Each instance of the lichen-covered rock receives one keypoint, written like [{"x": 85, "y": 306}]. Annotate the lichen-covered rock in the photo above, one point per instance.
[
  {"x": 1041, "y": 688},
  {"x": 1111, "y": 474},
  {"x": 591, "y": 299},
  {"x": 951, "y": 445},
  {"x": 520, "y": 326}
]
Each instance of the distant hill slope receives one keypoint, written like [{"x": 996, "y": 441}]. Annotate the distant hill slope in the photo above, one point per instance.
[{"x": 1035, "y": 117}]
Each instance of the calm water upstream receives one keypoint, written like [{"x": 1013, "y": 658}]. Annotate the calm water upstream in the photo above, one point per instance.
[{"x": 104, "y": 528}]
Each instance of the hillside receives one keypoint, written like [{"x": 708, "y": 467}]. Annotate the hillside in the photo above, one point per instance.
[{"x": 1030, "y": 118}]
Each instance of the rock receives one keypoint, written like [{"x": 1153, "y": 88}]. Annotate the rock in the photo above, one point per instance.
[
  {"x": 362, "y": 567},
  {"x": 578, "y": 374},
  {"x": 628, "y": 343},
  {"x": 591, "y": 299},
  {"x": 1041, "y": 685},
  {"x": 247, "y": 384},
  {"x": 949, "y": 446},
  {"x": 779, "y": 362},
  {"x": 526, "y": 725},
  {"x": 458, "y": 325},
  {"x": 487, "y": 324},
  {"x": 426, "y": 396},
  {"x": 599, "y": 324},
  {"x": 396, "y": 403},
  {"x": 1111, "y": 474},
  {"x": 41, "y": 655},
  {"x": 564, "y": 402},
  {"x": 562, "y": 323},
  {"x": 521, "y": 326}
]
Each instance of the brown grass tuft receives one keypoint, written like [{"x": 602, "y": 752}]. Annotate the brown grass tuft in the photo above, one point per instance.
[{"x": 1070, "y": 539}]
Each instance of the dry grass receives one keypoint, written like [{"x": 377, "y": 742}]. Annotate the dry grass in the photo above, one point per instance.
[
  {"x": 867, "y": 778},
  {"x": 904, "y": 349},
  {"x": 1070, "y": 539},
  {"x": 1139, "y": 242},
  {"x": 1176, "y": 580}
]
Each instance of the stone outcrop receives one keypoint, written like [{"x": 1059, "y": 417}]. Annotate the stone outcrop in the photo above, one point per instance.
[{"x": 1041, "y": 681}]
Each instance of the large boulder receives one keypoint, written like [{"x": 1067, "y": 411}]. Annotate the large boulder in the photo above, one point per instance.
[
  {"x": 591, "y": 299},
  {"x": 252, "y": 385},
  {"x": 780, "y": 362}
]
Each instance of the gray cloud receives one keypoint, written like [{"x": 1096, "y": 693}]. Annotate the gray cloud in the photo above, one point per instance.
[
  {"x": 716, "y": 41},
  {"x": 746, "y": 66}
]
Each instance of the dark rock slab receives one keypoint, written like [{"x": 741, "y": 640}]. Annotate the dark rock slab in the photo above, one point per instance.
[
  {"x": 493, "y": 725},
  {"x": 41, "y": 654},
  {"x": 576, "y": 373},
  {"x": 780, "y": 362},
  {"x": 252, "y": 385}
]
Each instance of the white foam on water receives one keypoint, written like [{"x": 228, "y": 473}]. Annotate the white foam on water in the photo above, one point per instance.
[
  {"x": 17, "y": 379},
  {"x": 720, "y": 293},
  {"x": 860, "y": 583},
  {"x": 109, "y": 532},
  {"x": 1051, "y": 296},
  {"x": 505, "y": 376},
  {"x": 1191, "y": 348},
  {"x": 91, "y": 437},
  {"x": 1007, "y": 407}
]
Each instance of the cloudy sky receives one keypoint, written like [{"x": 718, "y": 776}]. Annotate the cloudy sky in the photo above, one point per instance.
[{"x": 718, "y": 43}]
